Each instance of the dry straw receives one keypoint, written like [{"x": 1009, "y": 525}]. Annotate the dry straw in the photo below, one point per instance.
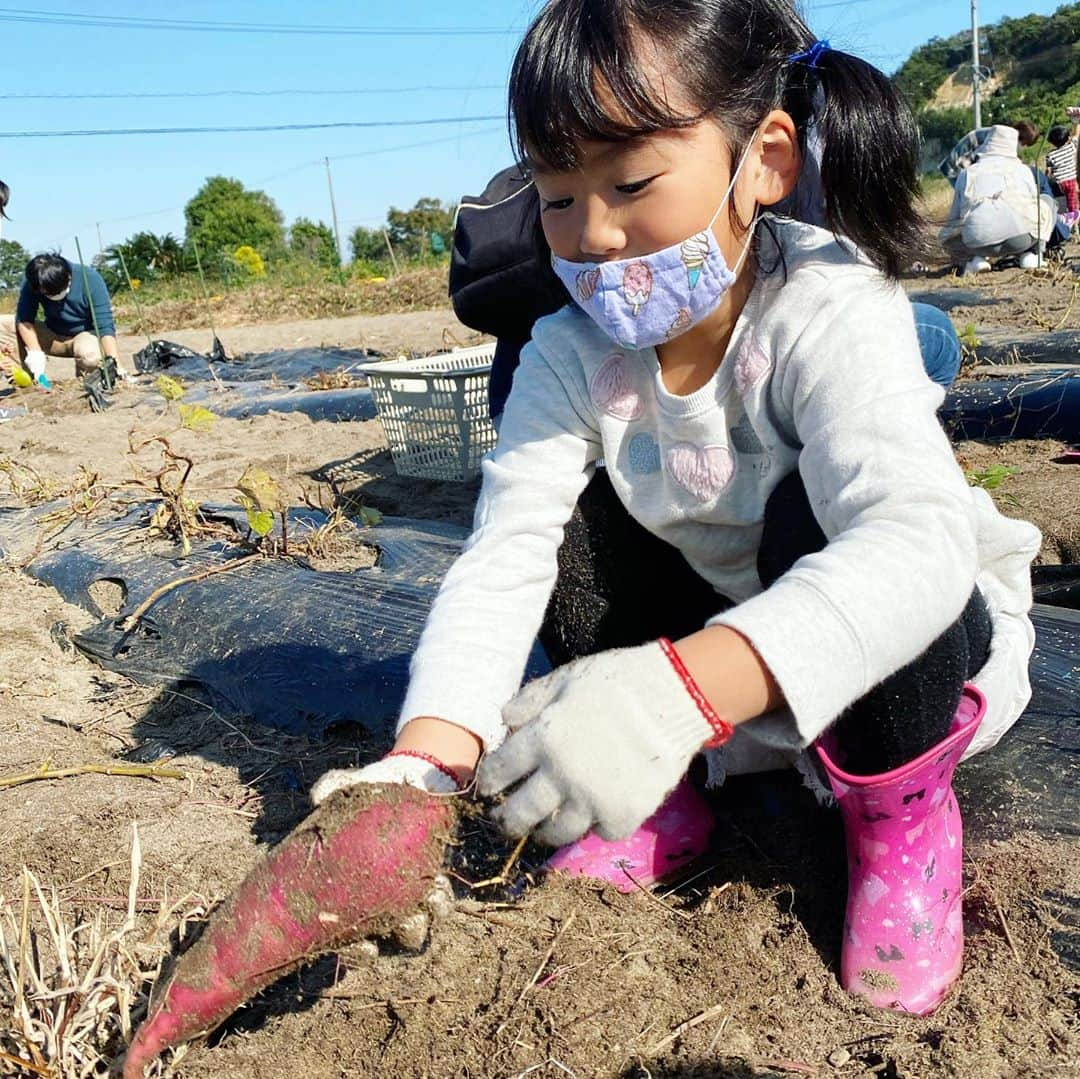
[{"x": 72, "y": 986}]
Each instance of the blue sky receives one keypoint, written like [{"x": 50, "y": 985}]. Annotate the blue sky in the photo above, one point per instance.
[{"x": 65, "y": 186}]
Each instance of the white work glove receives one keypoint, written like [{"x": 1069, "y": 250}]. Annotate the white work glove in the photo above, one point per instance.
[
  {"x": 599, "y": 743},
  {"x": 422, "y": 773},
  {"x": 35, "y": 364}
]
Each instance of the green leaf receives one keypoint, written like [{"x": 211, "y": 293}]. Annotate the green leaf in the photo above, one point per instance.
[
  {"x": 261, "y": 522},
  {"x": 196, "y": 418},
  {"x": 169, "y": 388},
  {"x": 369, "y": 516},
  {"x": 989, "y": 479}
]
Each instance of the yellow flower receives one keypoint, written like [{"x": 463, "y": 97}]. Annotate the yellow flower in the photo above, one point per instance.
[{"x": 249, "y": 260}]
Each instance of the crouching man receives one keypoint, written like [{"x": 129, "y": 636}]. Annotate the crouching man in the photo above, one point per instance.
[{"x": 71, "y": 297}]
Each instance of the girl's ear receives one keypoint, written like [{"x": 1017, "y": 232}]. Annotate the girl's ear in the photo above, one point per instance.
[{"x": 779, "y": 160}]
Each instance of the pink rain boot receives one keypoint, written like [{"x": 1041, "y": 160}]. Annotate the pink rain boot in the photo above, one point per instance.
[
  {"x": 671, "y": 839},
  {"x": 904, "y": 932}
]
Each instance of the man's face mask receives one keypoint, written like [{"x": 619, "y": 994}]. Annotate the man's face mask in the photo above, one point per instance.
[{"x": 59, "y": 296}]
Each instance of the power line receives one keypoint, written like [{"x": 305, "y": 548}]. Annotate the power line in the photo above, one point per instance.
[
  {"x": 128, "y": 22},
  {"x": 155, "y": 95},
  {"x": 246, "y": 128}
]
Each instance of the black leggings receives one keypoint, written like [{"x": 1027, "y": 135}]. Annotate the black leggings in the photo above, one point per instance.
[{"x": 620, "y": 586}]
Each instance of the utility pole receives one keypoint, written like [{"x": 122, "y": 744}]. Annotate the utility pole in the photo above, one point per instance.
[
  {"x": 975, "y": 69},
  {"x": 333, "y": 211},
  {"x": 101, "y": 246}
]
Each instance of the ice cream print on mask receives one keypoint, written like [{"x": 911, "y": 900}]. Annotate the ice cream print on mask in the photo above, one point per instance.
[
  {"x": 694, "y": 253},
  {"x": 644, "y": 301},
  {"x": 637, "y": 285},
  {"x": 587, "y": 281}
]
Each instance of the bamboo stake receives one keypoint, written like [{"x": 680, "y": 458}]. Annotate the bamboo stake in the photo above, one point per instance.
[
  {"x": 134, "y": 296},
  {"x": 209, "y": 312},
  {"x": 93, "y": 310}
]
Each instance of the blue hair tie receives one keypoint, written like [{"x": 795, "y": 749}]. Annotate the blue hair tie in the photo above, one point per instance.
[{"x": 812, "y": 55}]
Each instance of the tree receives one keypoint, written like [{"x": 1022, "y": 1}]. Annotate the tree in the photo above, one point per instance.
[
  {"x": 368, "y": 245},
  {"x": 146, "y": 257},
  {"x": 411, "y": 230},
  {"x": 314, "y": 242},
  {"x": 13, "y": 260},
  {"x": 224, "y": 215}
]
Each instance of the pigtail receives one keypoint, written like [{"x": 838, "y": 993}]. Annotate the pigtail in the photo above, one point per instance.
[{"x": 869, "y": 157}]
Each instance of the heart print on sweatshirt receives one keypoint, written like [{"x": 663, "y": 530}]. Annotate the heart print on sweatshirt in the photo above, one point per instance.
[
  {"x": 751, "y": 366},
  {"x": 614, "y": 389},
  {"x": 704, "y": 471}
]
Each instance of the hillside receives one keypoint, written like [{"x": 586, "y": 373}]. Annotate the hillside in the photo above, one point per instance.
[{"x": 1034, "y": 63}]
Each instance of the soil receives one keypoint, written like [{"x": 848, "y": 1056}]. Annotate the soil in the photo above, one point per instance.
[{"x": 733, "y": 974}]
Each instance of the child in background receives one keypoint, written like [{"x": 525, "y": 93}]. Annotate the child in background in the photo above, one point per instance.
[
  {"x": 1061, "y": 165},
  {"x": 754, "y": 388}
]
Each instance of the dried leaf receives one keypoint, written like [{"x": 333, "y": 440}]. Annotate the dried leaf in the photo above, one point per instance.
[{"x": 258, "y": 485}]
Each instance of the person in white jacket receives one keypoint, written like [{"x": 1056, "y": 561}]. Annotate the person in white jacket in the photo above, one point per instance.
[{"x": 997, "y": 211}]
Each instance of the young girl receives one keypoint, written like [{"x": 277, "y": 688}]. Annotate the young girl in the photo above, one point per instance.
[{"x": 815, "y": 572}]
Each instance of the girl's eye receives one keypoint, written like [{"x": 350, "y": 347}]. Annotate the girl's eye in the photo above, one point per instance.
[
  {"x": 556, "y": 204},
  {"x": 634, "y": 188}
]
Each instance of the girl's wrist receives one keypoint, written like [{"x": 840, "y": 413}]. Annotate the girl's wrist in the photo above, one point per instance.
[
  {"x": 454, "y": 747},
  {"x": 729, "y": 673}
]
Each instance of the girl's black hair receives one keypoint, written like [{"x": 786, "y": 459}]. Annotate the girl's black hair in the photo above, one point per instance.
[
  {"x": 5, "y": 194},
  {"x": 732, "y": 59}
]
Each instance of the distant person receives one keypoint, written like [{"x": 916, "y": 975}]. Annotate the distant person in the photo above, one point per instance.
[
  {"x": 1061, "y": 166},
  {"x": 997, "y": 210},
  {"x": 60, "y": 288},
  {"x": 1028, "y": 135},
  {"x": 967, "y": 149}
]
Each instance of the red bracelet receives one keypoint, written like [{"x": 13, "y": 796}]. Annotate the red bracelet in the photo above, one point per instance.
[
  {"x": 722, "y": 731},
  {"x": 433, "y": 761}
]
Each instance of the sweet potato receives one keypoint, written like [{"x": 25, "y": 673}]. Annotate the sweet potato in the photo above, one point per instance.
[{"x": 363, "y": 861}]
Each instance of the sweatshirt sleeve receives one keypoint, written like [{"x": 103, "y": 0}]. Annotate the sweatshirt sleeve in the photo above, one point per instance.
[
  {"x": 27, "y": 308},
  {"x": 474, "y": 647},
  {"x": 900, "y": 562},
  {"x": 99, "y": 297}
]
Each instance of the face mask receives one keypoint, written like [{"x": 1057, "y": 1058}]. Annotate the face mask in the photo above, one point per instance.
[
  {"x": 60, "y": 295},
  {"x": 645, "y": 301}
]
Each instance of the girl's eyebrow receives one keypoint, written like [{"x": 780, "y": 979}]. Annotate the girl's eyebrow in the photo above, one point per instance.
[{"x": 606, "y": 152}]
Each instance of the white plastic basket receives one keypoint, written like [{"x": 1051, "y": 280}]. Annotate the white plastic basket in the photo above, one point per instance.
[{"x": 434, "y": 411}]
